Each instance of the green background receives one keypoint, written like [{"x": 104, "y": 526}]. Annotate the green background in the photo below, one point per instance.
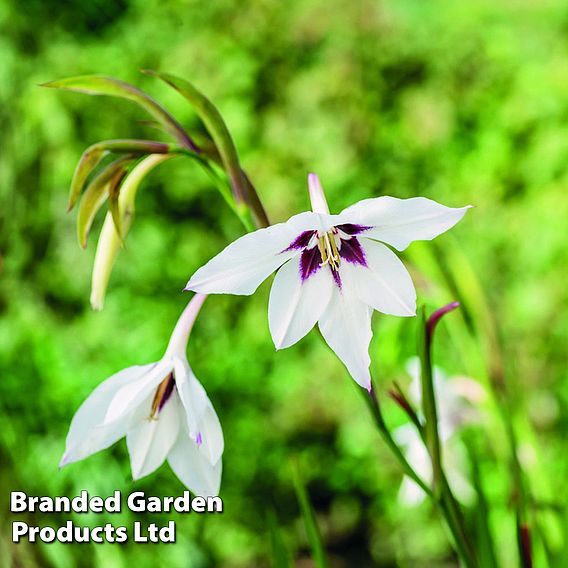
[{"x": 462, "y": 102}]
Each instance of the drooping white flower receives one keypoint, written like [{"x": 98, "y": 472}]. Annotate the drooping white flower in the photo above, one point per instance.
[
  {"x": 334, "y": 270},
  {"x": 458, "y": 400},
  {"x": 163, "y": 411}
]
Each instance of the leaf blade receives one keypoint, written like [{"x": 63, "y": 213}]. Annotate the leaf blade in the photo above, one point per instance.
[
  {"x": 96, "y": 194},
  {"x": 95, "y": 153},
  {"x": 215, "y": 125},
  {"x": 312, "y": 529},
  {"x": 109, "y": 86}
]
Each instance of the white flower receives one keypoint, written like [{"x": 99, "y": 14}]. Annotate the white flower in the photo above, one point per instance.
[
  {"x": 334, "y": 269},
  {"x": 163, "y": 411},
  {"x": 455, "y": 398},
  {"x": 454, "y": 462}
]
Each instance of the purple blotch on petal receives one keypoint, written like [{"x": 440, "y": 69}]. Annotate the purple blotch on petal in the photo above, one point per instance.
[
  {"x": 301, "y": 241},
  {"x": 353, "y": 229},
  {"x": 310, "y": 262},
  {"x": 336, "y": 277},
  {"x": 168, "y": 392},
  {"x": 352, "y": 251},
  {"x": 199, "y": 439}
]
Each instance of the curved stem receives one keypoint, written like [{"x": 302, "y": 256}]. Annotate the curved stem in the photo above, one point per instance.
[{"x": 375, "y": 407}]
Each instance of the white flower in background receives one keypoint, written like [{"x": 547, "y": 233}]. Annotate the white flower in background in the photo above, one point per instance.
[
  {"x": 334, "y": 269},
  {"x": 163, "y": 411},
  {"x": 456, "y": 399}
]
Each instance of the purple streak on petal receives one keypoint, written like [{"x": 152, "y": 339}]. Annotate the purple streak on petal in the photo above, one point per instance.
[
  {"x": 352, "y": 229},
  {"x": 336, "y": 277},
  {"x": 170, "y": 385},
  {"x": 435, "y": 318},
  {"x": 199, "y": 439},
  {"x": 352, "y": 251},
  {"x": 301, "y": 241},
  {"x": 310, "y": 262}
]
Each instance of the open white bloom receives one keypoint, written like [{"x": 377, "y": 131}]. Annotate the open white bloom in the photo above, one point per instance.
[
  {"x": 456, "y": 399},
  {"x": 334, "y": 270},
  {"x": 163, "y": 411}
]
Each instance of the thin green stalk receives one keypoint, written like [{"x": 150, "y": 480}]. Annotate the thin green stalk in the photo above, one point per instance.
[
  {"x": 486, "y": 547},
  {"x": 456, "y": 521},
  {"x": 375, "y": 408},
  {"x": 312, "y": 529},
  {"x": 241, "y": 210},
  {"x": 442, "y": 491},
  {"x": 444, "y": 502},
  {"x": 429, "y": 405}
]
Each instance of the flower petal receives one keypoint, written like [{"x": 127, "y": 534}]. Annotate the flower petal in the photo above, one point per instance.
[
  {"x": 295, "y": 305},
  {"x": 149, "y": 440},
  {"x": 398, "y": 222},
  {"x": 384, "y": 284},
  {"x": 130, "y": 395},
  {"x": 88, "y": 433},
  {"x": 193, "y": 469},
  {"x": 248, "y": 261},
  {"x": 410, "y": 493},
  {"x": 211, "y": 442},
  {"x": 201, "y": 418},
  {"x": 346, "y": 327}
]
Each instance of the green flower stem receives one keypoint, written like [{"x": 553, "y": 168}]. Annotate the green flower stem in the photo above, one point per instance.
[
  {"x": 454, "y": 518},
  {"x": 241, "y": 210},
  {"x": 445, "y": 503},
  {"x": 375, "y": 408},
  {"x": 243, "y": 191},
  {"x": 430, "y": 411},
  {"x": 442, "y": 491}
]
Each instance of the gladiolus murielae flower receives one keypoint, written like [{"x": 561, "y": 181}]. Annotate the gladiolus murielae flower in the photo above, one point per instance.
[
  {"x": 334, "y": 270},
  {"x": 163, "y": 411},
  {"x": 458, "y": 400}
]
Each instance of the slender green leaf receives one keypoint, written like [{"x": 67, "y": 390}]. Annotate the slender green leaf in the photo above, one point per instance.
[
  {"x": 100, "y": 85},
  {"x": 314, "y": 536},
  {"x": 216, "y": 127},
  {"x": 96, "y": 194},
  {"x": 113, "y": 195},
  {"x": 484, "y": 541},
  {"x": 280, "y": 556},
  {"x": 93, "y": 155},
  {"x": 89, "y": 160}
]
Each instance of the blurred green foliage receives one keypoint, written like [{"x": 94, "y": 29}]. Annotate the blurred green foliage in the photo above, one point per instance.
[{"x": 457, "y": 101}]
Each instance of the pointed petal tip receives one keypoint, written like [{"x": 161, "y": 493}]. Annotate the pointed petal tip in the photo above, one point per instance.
[
  {"x": 64, "y": 461},
  {"x": 369, "y": 388},
  {"x": 317, "y": 195},
  {"x": 135, "y": 473}
]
